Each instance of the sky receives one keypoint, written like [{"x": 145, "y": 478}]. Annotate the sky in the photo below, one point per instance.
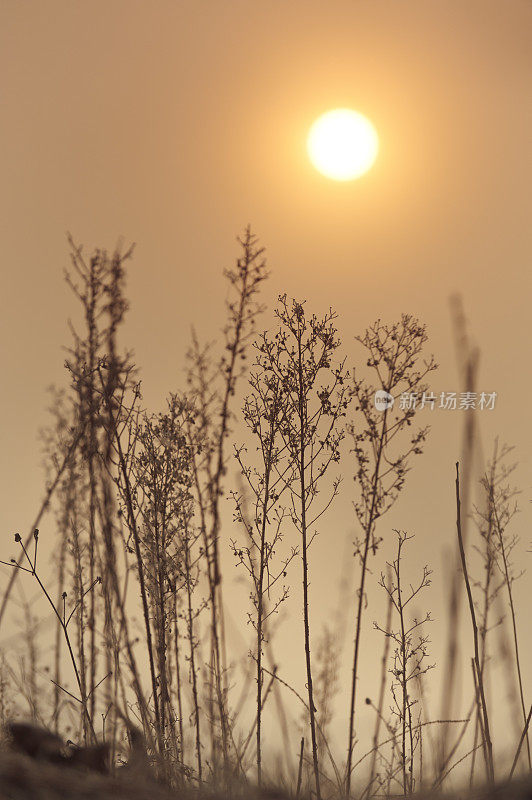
[{"x": 175, "y": 124}]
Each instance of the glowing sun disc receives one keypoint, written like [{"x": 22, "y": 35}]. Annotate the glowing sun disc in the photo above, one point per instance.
[{"x": 342, "y": 144}]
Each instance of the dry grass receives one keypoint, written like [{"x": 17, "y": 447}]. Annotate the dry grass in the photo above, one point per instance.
[{"x": 136, "y": 597}]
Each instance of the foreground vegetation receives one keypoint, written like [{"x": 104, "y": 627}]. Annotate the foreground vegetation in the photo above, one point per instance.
[{"x": 140, "y": 501}]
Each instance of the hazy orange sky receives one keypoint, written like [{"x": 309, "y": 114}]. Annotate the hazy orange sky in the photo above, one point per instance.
[{"x": 174, "y": 124}]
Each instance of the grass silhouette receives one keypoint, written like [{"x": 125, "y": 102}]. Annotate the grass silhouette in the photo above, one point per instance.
[{"x": 136, "y": 593}]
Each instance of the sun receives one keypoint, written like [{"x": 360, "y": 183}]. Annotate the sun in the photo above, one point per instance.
[{"x": 342, "y": 144}]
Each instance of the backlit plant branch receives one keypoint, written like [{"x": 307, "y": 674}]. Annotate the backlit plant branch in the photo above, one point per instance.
[
  {"x": 394, "y": 354},
  {"x": 299, "y": 360}
]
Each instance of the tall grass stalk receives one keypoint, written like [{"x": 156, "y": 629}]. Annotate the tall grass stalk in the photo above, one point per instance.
[
  {"x": 394, "y": 354},
  {"x": 477, "y": 672}
]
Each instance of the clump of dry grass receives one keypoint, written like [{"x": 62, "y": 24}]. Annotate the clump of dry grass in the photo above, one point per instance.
[{"x": 140, "y": 629}]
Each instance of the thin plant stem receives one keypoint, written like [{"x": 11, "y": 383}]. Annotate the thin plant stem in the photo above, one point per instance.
[{"x": 479, "y": 677}]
